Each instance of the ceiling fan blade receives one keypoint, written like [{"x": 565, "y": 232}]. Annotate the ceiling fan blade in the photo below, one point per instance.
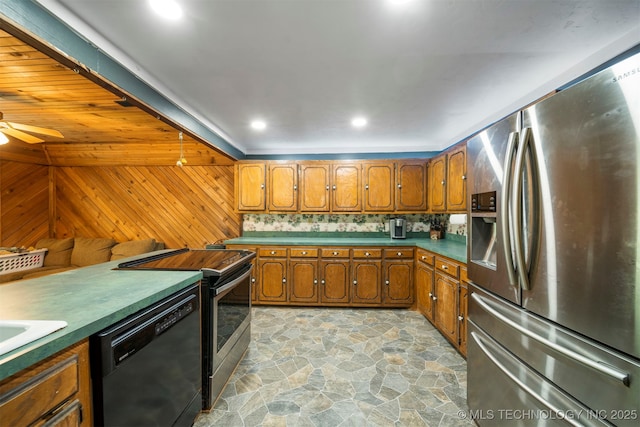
[
  {"x": 21, "y": 135},
  {"x": 35, "y": 129}
]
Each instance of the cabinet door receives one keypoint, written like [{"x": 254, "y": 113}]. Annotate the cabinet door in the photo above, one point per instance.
[
  {"x": 314, "y": 187},
  {"x": 346, "y": 194},
  {"x": 398, "y": 283},
  {"x": 462, "y": 318},
  {"x": 250, "y": 186},
  {"x": 367, "y": 277},
  {"x": 272, "y": 286},
  {"x": 437, "y": 189},
  {"x": 303, "y": 280},
  {"x": 334, "y": 281},
  {"x": 283, "y": 187},
  {"x": 411, "y": 186},
  {"x": 446, "y": 307},
  {"x": 378, "y": 187},
  {"x": 424, "y": 290},
  {"x": 457, "y": 179}
]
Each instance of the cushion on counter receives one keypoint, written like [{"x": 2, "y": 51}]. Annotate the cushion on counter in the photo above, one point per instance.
[
  {"x": 90, "y": 251},
  {"x": 59, "y": 251},
  {"x": 131, "y": 248}
]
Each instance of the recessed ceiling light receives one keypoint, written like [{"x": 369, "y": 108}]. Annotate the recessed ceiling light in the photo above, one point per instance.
[
  {"x": 169, "y": 9},
  {"x": 359, "y": 122},
  {"x": 258, "y": 125}
]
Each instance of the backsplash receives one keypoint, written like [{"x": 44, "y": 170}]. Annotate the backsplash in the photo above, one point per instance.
[{"x": 345, "y": 223}]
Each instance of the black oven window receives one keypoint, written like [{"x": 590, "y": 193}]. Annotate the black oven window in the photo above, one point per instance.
[{"x": 233, "y": 309}]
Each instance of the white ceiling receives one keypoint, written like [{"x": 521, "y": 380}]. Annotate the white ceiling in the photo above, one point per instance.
[{"x": 426, "y": 75}]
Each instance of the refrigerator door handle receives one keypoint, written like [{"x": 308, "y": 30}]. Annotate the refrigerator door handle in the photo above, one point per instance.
[
  {"x": 505, "y": 216},
  {"x": 596, "y": 365},
  {"x": 516, "y": 200}
]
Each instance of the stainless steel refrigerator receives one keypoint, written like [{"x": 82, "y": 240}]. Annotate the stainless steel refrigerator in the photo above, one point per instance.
[{"x": 554, "y": 232}]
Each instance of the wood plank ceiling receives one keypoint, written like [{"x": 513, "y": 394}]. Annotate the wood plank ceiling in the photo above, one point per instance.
[{"x": 38, "y": 90}]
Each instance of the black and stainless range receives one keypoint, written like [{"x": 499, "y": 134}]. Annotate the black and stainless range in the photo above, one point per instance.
[{"x": 226, "y": 307}]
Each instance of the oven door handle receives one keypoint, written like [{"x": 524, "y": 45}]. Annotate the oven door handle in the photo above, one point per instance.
[{"x": 234, "y": 282}]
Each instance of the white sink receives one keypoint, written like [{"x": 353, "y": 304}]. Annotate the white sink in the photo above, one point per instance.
[{"x": 16, "y": 333}]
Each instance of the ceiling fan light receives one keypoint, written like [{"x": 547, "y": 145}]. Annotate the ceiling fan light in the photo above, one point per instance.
[{"x": 3, "y": 138}]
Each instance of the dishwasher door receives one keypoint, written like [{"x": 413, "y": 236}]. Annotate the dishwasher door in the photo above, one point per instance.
[{"x": 146, "y": 369}]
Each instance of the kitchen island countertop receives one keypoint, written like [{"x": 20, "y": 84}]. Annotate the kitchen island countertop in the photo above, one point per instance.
[{"x": 89, "y": 299}]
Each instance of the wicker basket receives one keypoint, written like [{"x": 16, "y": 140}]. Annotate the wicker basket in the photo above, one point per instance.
[{"x": 23, "y": 261}]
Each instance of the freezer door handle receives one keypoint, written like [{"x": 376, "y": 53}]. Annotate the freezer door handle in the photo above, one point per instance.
[
  {"x": 484, "y": 347},
  {"x": 504, "y": 208},
  {"x": 596, "y": 365}
]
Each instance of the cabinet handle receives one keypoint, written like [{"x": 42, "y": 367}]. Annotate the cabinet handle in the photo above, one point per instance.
[
  {"x": 334, "y": 187},
  {"x": 322, "y": 281},
  {"x": 444, "y": 267},
  {"x": 434, "y": 298},
  {"x": 464, "y": 177},
  {"x": 424, "y": 257},
  {"x": 399, "y": 253},
  {"x": 295, "y": 188},
  {"x": 284, "y": 280},
  {"x": 399, "y": 185},
  {"x": 430, "y": 295},
  {"x": 315, "y": 281},
  {"x": 460, "y": 318},
  {"x": 273, "y": 252},
  {"x": 335, "y": 254},
  {"x": 386, "y": 282},
  {"x": 355, "y": 282},
  {"x": 442, "y": 182},
  {"x": 367, "y": 254},
  {"x": 262, "y": 186},
  {"x": 304, "y": 252},
  {"x": 253, "y": 280},
  {"x": 366, "y": 187},
  {"x": 327, "y": 188}
]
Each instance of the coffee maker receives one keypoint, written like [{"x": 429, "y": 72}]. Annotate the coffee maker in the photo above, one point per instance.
[{"x": 398, "y": 228}]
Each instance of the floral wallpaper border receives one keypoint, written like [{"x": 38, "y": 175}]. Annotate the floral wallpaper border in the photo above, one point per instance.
[{"x": 344, "y": 223}]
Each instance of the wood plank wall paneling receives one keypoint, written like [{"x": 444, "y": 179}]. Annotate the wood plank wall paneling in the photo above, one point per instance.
[
  {"x": 189, "y": 206},
  {"x": 24, "y": 203}
]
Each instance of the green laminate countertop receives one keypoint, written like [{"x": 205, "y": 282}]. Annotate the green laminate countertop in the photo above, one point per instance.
[
  {"x": 89, "y": 299},
  {"x": 449, "y": 248}
]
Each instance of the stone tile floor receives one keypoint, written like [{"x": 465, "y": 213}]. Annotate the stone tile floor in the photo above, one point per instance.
[{"x": 343, "y": 367}]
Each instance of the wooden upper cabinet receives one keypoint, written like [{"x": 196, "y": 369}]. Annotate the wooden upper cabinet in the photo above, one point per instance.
[
  {"x": 346, "y": 187},
  {"x": 379, "y": 181},
  {"x": 457, "y": 179},
  {"x": 250, "y": 186},
  {"x": 437, "y": 183},
  {"x": 314, "y": 187},
  {"x": 283, "y": 187},
  {"x": 411, "y": 186}
]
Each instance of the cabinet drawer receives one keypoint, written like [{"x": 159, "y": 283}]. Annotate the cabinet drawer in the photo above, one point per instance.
[
  {"x": 367, "y": 253},
  {"x": 463, "y": 274},
  {"x": 334, "y": 252},
  {"x": 448, "y": 267},
  {"x": 39, "y": 395},
  {"x": 272, "y": 252},
  {"x": 399, "y": 253},
  {"x": 426, "y": 257},
  {"x": 303, "y": 252}
]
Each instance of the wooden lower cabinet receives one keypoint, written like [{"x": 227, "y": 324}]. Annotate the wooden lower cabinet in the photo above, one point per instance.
[
  {"x": 272, "y": 275},
  {"x": 54, "y": 392},
  {"x": 334, "y": 281},
  {"x": 446, "y": 307},
  {"x": 366, "y": 279},
  {"x": 303, "y": 275},
  {"x": 442, "y": 296}
]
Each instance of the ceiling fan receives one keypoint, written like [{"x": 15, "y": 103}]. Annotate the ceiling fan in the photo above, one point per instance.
[{"x": 18, "y": 130}]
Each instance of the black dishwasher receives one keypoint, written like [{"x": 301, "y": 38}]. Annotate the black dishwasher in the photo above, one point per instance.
[{"x": 146, "y": 369}]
